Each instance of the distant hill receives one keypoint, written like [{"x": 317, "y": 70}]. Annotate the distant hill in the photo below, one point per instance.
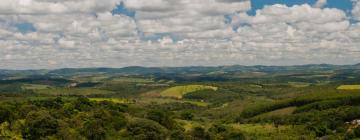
[{"x": 137, "y": 70}]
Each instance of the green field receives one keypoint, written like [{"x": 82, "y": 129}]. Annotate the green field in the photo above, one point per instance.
[
  {"x": 179, "y": 91},
  {"x": 349, "y": 87}
]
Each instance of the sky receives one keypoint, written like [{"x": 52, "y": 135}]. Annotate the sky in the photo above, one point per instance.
[{"x": 51, "y": 34}]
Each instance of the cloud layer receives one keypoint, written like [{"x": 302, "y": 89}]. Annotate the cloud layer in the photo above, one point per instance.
[{"x": 78, "y": 33}]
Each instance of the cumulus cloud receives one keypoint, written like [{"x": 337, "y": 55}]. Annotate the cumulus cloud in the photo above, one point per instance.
[
  {"x": 78, "y": 33},
  {"x": 185, "y": 17}
]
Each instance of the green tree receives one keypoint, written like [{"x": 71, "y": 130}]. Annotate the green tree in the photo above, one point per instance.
[
  {"x": 199, "y": 133},
  {"x": 39, "y": 124},
  {"x": 143, "y": 129},
  {"x": 187, "y": 115},
  {"x": 162, "y": 117}
]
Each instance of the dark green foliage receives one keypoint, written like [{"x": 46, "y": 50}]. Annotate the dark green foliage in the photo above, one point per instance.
[
  {"x": 327, "y": 104},
  {"x": 142, "y": 129},
  {"x": 64, "y": 119},
  {"x": 235, "y": 136},
  {"x": 302, "y": 100},
  {"x": 217, "y": 97},
  {"x": 223, "y": 132},
  {"x": 178, "y": 135},
  {"x": 100, "y": 122},
  {"x": 357, "y": 132},
  {"x": 39, "y": 124},
  {"x": 187, "y": 116},
  {"x": 199, "y": 133},
  {"x": 83, "y": 104},
  {"x": 5, "y": 113},
  {"x": 162, "y": 117}
]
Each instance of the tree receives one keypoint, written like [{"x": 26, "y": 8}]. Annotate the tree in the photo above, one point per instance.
[
  {"x": 162, "y": 118},
  {"x": 143, "y": 129},
  {"x": 187, "y": 115},
  {"x": 199, "y": 133},
  {"x": 5, "y": 113},
  {"x": 39, "y": 124}
]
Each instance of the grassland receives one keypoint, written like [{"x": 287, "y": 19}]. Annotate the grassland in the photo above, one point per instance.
[
  {"x": 179, "y": 91},
  {"x": 349, "y": 87}
]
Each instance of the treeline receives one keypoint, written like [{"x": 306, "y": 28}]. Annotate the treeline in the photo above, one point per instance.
[
  {"x": 300, "y": 101},
  {"x": 335, "y": 123}
]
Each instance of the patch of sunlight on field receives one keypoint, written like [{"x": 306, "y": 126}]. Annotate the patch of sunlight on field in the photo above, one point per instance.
[
  {"x": 179, "y": 91},
  {"x": 34, "y": 86},
  {"x": 349, "y": 87},
  {"x": 114, "y": 100}
]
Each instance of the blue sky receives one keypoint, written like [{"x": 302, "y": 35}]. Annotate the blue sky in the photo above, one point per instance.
[{"x": 345, "y": 5}]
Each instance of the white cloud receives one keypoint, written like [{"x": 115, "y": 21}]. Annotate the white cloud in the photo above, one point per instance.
[
  {"x": 320, "y": 3},
  {"x": 77, "y": 33},
  {"x": 356, "y": 10},
  {"x": 55, "y": 6}
]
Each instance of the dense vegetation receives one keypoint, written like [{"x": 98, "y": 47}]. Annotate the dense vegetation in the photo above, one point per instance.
[{"x": 194, "y": 103}]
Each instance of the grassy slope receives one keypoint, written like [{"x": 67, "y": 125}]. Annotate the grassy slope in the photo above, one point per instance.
[{"x": 349, "y": 87}]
